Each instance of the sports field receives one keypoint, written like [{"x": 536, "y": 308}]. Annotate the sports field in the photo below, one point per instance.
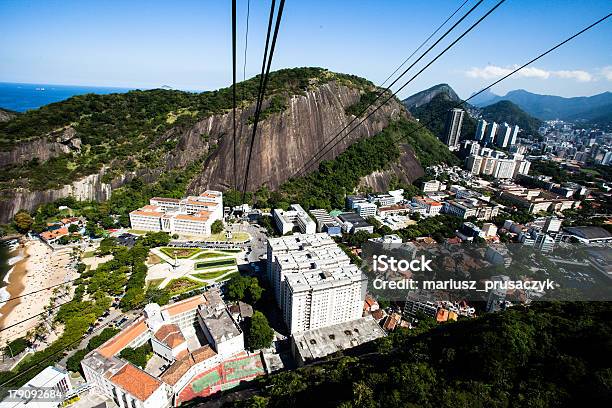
[{"x": 225, "y": 376}]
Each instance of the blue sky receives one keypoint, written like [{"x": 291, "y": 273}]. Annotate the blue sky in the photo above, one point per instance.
[{"x": 186, "y": 44}]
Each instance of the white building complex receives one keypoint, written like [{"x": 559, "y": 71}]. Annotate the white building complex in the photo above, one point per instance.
[
  {"x": 193, "y": 215},
  {"x": 314, "y": 282},
  {"x": 295, "y": 217},
  {"x": 176, "y": 333}
]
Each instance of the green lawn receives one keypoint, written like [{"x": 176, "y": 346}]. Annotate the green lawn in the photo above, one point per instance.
[
  {"x": 88, "y": 254},
  {"x": 212, "y": 275},
  {"x": 209, "y": 255},
  {"x": 237, "y": 237},
  {"x": 137, "y": 232},
  {"x": 182, "y": 285},
  {"x": 181, "y": 253},
  {"x": 214, "y": 264}
]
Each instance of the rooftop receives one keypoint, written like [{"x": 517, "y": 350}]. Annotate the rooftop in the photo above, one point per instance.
[
  {"x": 170, "y": 334},
  {"x": 136, "y": 382},
  {"x": 590, "y": 233},
  {"x": 219, "y": 323},
  {"x": 318, "y": 343}
]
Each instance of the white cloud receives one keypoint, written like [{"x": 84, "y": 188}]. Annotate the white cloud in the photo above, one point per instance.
[
  {"x": 494, "y": 71},
  {"x": 607, "y": 72},
  {"x": 578, "y": 75}
]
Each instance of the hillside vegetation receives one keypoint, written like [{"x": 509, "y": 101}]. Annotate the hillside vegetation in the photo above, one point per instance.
[
  {"x": 433, "y": 115},
  {"x": 506, "y": 111},
  {"x": 334, "y": 179},
  {"x": 127, "y": 130},
  {"x": 548, "y": 355}
]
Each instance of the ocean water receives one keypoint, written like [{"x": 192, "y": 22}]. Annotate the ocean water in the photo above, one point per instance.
[{"x": 23, "y": 97}]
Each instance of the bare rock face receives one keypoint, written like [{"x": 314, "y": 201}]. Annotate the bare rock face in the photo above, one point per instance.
[
  {"x": 286, "y": 141},
  {"x": 406, "y": 170},
  {"x": 51, "y": 145},
  {"x": 6, "y": 115}
]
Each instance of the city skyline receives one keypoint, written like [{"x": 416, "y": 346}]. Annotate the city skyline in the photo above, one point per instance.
[{"x": 135, "y": 47}]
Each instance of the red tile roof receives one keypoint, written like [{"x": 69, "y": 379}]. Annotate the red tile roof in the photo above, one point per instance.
[
  {"x": 136, "y": 382},
  {"x": 121, "y": 340},
  {"x": 170, "y": 334}
]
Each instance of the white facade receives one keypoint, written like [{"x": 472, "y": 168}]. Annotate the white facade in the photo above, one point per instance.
[
  {"x": 313, "y": 281},
  {"x": 480, "y": 130},
  {"x": 504, "y": 169},
  {"x": 491, "y": 131},
  {"x": 503, "y": 135},
  {"x": 296, "y": 216},
  {"x": 366, "y": 209},
  {"x": 193, "y": 215}
]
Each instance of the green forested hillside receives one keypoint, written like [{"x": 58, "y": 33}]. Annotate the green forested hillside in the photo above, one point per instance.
[
  {"x": 547, "y": 355},
  {"x": 506, "y": 111},
  {"x": 327, "y": 187},
  {"x": 433, "y": 116},
  {"x": 122, "y": 128}
]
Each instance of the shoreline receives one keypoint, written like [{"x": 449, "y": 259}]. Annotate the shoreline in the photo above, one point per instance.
[
  {"x": 14, "y": 284},
  {"x": 39, "y": 267}
]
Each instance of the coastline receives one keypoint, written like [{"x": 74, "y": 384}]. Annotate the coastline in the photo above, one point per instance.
[{"x": 39, "y": 267}]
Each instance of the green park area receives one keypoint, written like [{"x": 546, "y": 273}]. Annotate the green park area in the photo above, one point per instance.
[
  {"x": 213, "y": 274},
  {"x": 180, "y": 253},
  {"x": 182, "y": 285},
  {"x": 204, "y": 265}
]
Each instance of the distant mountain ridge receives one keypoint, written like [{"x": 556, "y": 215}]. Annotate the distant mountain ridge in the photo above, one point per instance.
[
  {"x": 430, "y": 107},
  {"x": 424, "y": 97},
  {"x": 506, "y": 111},
  {"x": 548, "y": 107}
]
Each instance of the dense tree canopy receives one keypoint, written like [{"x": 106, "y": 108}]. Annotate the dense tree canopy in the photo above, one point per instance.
[{"x": 551, "y": 354}]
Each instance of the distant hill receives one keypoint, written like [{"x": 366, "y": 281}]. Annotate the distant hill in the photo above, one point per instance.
[
  {"x": 485, "y": 98},
  {"x": 424, "y": 97},
  {"x": 547, "y": 107},
  {"x": 6, "y": 114},
  {"x": 431, "y": 106},
  {"x": 506, "y": 111}
]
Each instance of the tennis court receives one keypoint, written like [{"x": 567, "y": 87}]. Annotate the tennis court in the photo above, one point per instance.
[{"x": 225, "y": 376}]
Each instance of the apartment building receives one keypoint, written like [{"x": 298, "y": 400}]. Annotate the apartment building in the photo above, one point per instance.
[
  {"x": 470, "y": 207},
  {"x": 313, "y": 281},
  {"x": 193, "y": 215},
  {"x": 366, "y": 209},
  {"x": 326, "y": 223},
  {"x": 296, "y": 216},
  {"x": 432, "y": 207}
]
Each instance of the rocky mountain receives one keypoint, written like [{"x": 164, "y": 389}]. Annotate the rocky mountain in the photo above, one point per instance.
[
  {"x": 547, "y": 107},
  {"x": 90, "y": 145},
  {"x": 506, "y": 111},
  {"x": 424, "y": 97},
  {"x": 431, "y": 106},
  {"x": 6, "y": 115}
]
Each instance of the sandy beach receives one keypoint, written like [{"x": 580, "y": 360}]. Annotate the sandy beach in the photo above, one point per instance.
[{"x": 40, "y": 267}]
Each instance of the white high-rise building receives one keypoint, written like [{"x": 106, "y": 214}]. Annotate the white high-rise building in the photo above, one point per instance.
[
  {"x": 454, "y": 121},
  {"x": 481, "y": 130},
  {"x": 491, "y": 131},
  {"x": 314, "y": 282},
  {"x": 474, "y": 164},
  {"x": 503, "y": 135},
  {"x": 504, "y": 169},
  {"x": 514, "y": 135}
]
